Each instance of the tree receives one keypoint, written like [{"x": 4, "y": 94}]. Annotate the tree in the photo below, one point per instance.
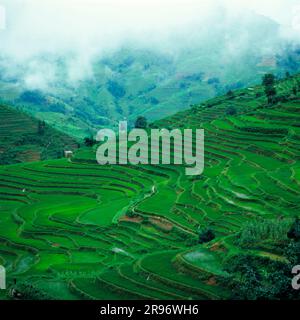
[
  {"x": 231, "y": 111},
  {"x": 271, "y": 94},
  {"x": 89, "y": 141},
  {"x": 141, "y": 123},
  {"x": 206, "y": 235},
  {"x": 268, "y": 79},
  {"x": 295, "y": 90},
  {"x": 194, "y": 109},
  {"x": 130, "y": 213},
  {"x": 230, "y": 93},
  {"x": 41, "y": 127},
  {"x": 270, "y": 90}
]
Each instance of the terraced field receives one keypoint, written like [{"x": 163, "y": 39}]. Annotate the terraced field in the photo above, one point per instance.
[
  {"x": 24, "y": 138},
  {"x": 77, "y": 230}
]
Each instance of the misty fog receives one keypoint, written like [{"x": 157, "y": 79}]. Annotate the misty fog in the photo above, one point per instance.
[{"x": 36, "y": 33}]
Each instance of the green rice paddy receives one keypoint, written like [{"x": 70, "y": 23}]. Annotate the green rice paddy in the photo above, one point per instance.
[{"x": 77, "y": 230}]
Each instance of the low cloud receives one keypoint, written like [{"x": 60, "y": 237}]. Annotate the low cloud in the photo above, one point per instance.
[{"x": 38, "y": 33}]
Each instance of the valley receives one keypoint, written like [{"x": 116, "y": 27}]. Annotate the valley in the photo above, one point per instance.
[
  {"x": 71, "y": 229},
  {"x": 79, "y": 95}
]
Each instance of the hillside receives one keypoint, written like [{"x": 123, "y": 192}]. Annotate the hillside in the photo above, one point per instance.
[
  {"x": 25, "y": 139},
  {"x": 152, "y": 81},
  {"x": 84, "y": 231}
]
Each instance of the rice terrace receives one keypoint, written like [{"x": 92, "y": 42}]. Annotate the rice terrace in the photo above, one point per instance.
[
  {"x": 71, "y": 229},
  {"x": 77, "y": 230}
]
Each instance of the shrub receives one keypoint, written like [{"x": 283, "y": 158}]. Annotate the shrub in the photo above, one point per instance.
[
  {"x": 28, "y": 291},
  {"x": 253, "y": 277},
  {"x": 130, "y": 213},
  {"x": 89, "y": 142},
  {"x": 206, "y": 235},
  {"x": 295, "y": 90},
  {"x": 261, "y": 230},
  {"x": 231, "y": 111},
  {"x": 230, "y": 93},
  {"x": 294, "y": 232},
  {"x": 292, "y": 252}
]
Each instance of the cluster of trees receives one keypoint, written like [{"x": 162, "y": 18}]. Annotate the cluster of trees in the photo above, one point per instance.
[
  {"x": 27, "y": 291},
  {"x": 230, "y": 94},
  {"x": 269, "y": 81},
  {"x": 253, "y": 277},
  {"x": 34, "y": 96},
  {"x": 260, "y": 230},
  {"x": 116, "y": 89},
  {"x": 57, "y": 107},
  {"x": 140, "y": 123},
  {"x": 296, "y": 88}
]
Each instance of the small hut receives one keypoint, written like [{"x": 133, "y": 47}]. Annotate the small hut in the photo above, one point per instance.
[{"x": 68, "y": 154}]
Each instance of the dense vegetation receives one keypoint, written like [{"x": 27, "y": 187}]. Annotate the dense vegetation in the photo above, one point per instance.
[
  {"x": 77, "y": 230},
  {"x": 24, "y": 139}
]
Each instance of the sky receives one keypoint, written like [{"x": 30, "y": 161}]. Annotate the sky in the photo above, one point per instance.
[
  {"x": 280, "y": 10},
  {"x": 142, "y": 11},
  {"x": 74, "y": 22}
]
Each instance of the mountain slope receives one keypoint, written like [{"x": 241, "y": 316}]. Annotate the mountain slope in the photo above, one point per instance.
[
  {"x": 154, "y": 81},
  {"x": 134, "y": 230},
  {"x": 24, "y": 139}
]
